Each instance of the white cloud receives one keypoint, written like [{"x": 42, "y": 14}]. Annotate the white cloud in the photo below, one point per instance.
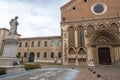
[{"x": 36, "y": 18}]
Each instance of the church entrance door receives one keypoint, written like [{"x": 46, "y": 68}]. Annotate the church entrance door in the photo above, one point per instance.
[{"x": 104, "y": 56}]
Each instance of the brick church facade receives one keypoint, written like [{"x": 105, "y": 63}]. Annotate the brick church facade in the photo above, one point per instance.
[{"x": 91, "y": 32}]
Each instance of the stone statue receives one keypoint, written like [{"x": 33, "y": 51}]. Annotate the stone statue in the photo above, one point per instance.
[{"x": 13, "y": 29}]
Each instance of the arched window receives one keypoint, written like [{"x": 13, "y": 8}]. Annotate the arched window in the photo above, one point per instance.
[
  {"x": 80, "y": 36},
  {"x": 114, "y": 27},
  {"x": 71, "y": 51},
  {"x": 90, "y": 30},
  {"x": 71, "y": 37}
]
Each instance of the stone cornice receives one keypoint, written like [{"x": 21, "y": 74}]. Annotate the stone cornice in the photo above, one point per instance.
[{"x": 89, "y": 21}]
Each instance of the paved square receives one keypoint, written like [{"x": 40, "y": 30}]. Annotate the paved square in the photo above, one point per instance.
[{"x": 60, "y": 72}]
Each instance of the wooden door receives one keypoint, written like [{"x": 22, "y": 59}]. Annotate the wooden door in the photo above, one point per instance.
[{"x": 104, "y": 56}]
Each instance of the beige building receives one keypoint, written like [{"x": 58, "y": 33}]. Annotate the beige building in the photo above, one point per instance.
[
  {"x": 35, "y": 49},
  {"x": 40, "y": 49},
  {"x": 3, "y": 35},
  {"x": 91, "y": 32}
]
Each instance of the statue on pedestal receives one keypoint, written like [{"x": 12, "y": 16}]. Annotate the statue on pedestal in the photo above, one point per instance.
[
  {"x": 8, "y": 59},
  {"x": 10, "y": 43},
  {"x": 13, "y": 29}
]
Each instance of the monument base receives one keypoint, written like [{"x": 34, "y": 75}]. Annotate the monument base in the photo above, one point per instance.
[
  {"x": 8, "y": 64},
  {"x": 13, "y": 69},
  {"x": 8, "y": 60}
]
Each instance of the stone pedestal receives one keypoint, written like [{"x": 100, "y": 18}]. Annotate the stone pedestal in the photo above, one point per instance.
[
  {"x": 8, "y": 58},
  {"x": 10, "y": 48},
  {"x": 7, "y": 61}
]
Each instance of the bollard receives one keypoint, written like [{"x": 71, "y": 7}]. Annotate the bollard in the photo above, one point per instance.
[
  {"x": 94, "y": 72},
  {"x": 88, "y": 68},
  {"x": 98, "y": 75}
]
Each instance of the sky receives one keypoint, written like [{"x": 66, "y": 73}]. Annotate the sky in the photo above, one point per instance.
[{"x": 36, "y": 18}]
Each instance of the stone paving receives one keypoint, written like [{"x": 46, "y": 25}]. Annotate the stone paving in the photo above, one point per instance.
[
  {"x": 44, "y": 74},
  {"x": 99, "y": 73},
  {"x": 60, "y": 72}
]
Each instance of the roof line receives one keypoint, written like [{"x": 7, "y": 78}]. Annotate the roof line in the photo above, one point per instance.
[{"x": 41, "y": 37}]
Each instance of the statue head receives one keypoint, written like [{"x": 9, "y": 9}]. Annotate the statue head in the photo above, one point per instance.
[{"x": 16, "y": 17}]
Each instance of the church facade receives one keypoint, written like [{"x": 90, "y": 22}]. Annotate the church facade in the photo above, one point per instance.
[{"x": 91, "y": 32}]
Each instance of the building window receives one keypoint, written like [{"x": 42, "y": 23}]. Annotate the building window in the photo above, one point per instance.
[
  {"x": 52, "y": 54},
  {"x": 99, "y": 8},
  {"x": 38, "y": 55},
  {"x": 45, "y": 44},
  {"x": 59, "y": 55},
  {"x": 32, "y": 44},
  {"x": 59, "y": 43},
  {"x": 25, "y": 54},
  {"x": 20, "y": 44},
  {"x": 19, "y": 54},
  {"x": 45, "y": 55},
  {"x": 52, "y": 43},
  {"x": 71, "y": 37},
  {"x": 81, "y": 39},
  {"x": 85, "y": 0},
  {"x": 38, "y": 43},
  {"x": 26, "y": 44}
]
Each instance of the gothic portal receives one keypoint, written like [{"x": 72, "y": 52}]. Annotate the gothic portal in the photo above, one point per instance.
[{"x": 91, "y": 32}]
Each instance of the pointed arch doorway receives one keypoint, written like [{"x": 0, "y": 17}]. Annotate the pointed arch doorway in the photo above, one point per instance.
[
  {"x": 31, "y": 57},
  {"x": 104, "y": 56}
]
